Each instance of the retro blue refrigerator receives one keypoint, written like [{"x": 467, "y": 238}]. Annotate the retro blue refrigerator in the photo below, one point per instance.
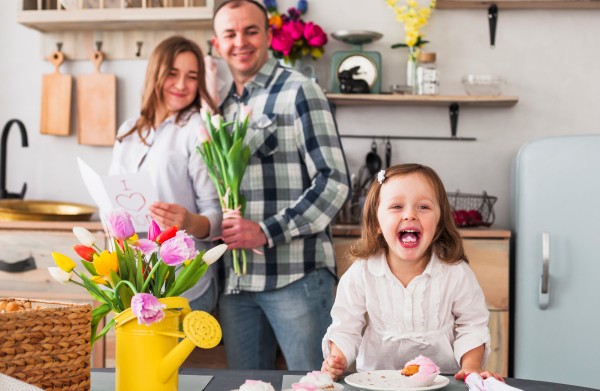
[{"x": 556, "y": 260}]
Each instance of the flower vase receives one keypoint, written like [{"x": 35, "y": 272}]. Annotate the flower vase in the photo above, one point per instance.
[
  {"x": 307, "y": 70},
  {"x": 411, "y": 69},
  {"x": 148, "y": 356}
]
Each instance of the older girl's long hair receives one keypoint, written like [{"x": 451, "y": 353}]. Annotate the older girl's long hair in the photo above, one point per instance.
[
  {"x": 159, "y": 65},
  {"x": 447, "y": 243}
]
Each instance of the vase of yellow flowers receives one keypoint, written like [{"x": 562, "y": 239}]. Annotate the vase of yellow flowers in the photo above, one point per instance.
[
  {"x": 140, "y": 281},
  {"x": 414, "y": 17}
]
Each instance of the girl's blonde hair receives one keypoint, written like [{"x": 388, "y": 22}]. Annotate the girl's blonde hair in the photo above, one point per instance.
[
  {"x": 447, "y": 243},
  {"x": 159, "y": 65}
]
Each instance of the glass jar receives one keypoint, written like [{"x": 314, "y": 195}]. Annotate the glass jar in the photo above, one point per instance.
[{"x": 428, "y": 78}]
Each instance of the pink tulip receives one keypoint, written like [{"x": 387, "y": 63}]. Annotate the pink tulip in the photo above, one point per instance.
[
  {"x": 203, "y": 135},
  {"x": 120, "y": 224},
  {"x": 295, "y": 28},
  {"x": 146, "y": 246},
  {"x": 282, "y": 42},
  {"x": 147, "y": 308},
  {"x": 153, "y": 231},
  {"x": 178, "y": 249},
  {"x": 314, "y": 34}
]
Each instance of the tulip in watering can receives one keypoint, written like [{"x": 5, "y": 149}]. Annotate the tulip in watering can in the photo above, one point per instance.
[{"x": 148, "y": 357}]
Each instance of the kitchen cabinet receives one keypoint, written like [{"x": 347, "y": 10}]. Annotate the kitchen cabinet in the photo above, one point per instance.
[
  {"x": 21, "y": 239},
  {"x": 488, "y": 253}
]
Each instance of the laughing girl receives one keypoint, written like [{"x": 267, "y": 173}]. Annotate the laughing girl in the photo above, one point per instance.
[{"x": 410, "y": 291}]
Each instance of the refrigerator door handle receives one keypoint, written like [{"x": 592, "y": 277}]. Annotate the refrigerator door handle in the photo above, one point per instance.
[{"x": 544, "y": 295}]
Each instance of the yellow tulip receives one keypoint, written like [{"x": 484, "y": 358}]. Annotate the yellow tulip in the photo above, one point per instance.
[
  {"x": 105, "y": 262},
  {"x": 99, "y": 280},
  {"x": 64, "y": 262}
]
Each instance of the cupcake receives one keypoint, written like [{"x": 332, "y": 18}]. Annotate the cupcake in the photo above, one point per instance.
[
  {"x": 420, "y": 372},
  {"x": 319, "y": 379},
  {"x": 256, "y": 385}
]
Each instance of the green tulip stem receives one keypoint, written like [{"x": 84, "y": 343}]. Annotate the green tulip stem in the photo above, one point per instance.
[
  {"x": 127, "y": 283},
  {"x": 154, "y": 269}
]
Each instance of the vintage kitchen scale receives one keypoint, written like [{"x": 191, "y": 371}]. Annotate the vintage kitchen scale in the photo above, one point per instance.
[{"x": 350, "y": 67}]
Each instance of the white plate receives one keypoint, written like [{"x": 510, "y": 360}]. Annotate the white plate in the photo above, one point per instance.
[{"x": 389, "y": 380}]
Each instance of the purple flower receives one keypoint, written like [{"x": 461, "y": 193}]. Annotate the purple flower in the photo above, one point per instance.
[
  {"x": 147, "y": 308},
  {"x": 178, "y": 249},
  {"x": 120, "y": 224},
  {"x": 153, "y": 231},
  {"x": 146, "y": 246}
]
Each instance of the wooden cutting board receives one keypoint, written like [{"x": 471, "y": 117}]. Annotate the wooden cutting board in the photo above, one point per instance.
[
  {"x": 56, "y": 100},
  {"x": 97, "y": 106}
]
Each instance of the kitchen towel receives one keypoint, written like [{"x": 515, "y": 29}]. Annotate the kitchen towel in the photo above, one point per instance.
[
  {"x": 8, "y": 383},
  {"x": 477, "y": 383}
]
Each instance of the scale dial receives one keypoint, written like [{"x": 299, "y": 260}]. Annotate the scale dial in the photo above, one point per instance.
[{"x": 367, "y": 68}]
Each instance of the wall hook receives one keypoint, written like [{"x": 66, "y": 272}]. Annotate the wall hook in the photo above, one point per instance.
[
  {"x": 493, "y": 19},
  {"x": 98, "y": 46},
  {"x": 210, "y": 47},
  {"x": 453, "y": 119},
  {"x": 139, "y": 48},
  {"x": 59, "y": 46}
]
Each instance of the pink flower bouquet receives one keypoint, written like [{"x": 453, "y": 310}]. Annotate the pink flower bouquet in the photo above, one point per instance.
[
  {"x": 292, "y": 37},
  {"x": 135, "y": 272}
]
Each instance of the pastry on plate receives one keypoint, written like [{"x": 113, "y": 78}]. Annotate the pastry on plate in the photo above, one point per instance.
[
  {"x": 256, "y": 385},
  {"x": 419, "y": 372},
  {"x": 319, "y": 379}
]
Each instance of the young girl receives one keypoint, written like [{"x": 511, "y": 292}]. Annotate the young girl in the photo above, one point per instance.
[
  {"x": 163, "y": 140},
  {"x": 411, "y": 291}
]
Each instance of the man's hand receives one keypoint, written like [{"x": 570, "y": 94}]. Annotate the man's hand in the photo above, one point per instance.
[
  {"x": 240, "y": 233},
  {"x": 168, "y": 215}
]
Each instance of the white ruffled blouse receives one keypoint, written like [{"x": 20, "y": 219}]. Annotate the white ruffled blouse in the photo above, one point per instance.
[{"x": 441, "y": 314}]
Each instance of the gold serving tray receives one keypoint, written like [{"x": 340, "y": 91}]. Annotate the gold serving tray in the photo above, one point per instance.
[{"x": 40, "y": 210}]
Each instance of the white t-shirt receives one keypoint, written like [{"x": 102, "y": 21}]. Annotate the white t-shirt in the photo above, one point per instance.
[
  {"x": 441, "y": 314},
  {"x": 178, "y": 173}
]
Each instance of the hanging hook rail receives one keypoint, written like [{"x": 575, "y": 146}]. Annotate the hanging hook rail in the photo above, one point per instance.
[{"x": 426, "y": 138}]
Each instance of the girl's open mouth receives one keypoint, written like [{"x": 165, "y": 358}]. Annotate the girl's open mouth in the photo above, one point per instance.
[{"x": 409, "y": 238}]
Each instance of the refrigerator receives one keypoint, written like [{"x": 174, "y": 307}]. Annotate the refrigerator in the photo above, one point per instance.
[{"x": 555, "y": 284}]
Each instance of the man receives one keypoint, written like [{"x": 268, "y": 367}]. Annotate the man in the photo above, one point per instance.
[{"x": 295, "y": 183}]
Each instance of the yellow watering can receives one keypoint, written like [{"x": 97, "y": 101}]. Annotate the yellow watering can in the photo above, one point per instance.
[{"x": 148, "y": 357}]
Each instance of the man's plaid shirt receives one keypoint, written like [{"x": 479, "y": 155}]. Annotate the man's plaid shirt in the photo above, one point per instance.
[{"x": 296, "y": 180}]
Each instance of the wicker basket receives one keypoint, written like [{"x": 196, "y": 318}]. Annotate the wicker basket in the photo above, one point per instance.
[
  {"x": 482, "y": 203},
  {"x": 47, "y": 346}
]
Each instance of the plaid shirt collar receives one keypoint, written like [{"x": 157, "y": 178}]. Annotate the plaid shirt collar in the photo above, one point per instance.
[{"x": 262, "y": 79}]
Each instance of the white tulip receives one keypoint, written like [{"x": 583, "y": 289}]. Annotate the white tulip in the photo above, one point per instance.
[
  {"x": 84, "y": 236},
  {"x": 216, "y": 121},
  {"x": 212, "y": 255},
  {"x": 60, "y": 275}
]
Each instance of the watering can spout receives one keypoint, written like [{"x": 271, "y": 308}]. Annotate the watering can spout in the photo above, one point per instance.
[
  {"x": 199, "y": 329},
  {"x": 173, "y": 360}
]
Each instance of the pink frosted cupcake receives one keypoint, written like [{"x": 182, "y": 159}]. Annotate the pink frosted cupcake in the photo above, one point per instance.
[
  {"x": 420, "y": 372},
  {"x": 319, "y": 379},
  {"x": 256, "y": 385}
]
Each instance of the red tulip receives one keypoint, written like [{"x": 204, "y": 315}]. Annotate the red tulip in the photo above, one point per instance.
[
  {"x": 166, "y": 234},
  {"x": 86, "y": 253}
]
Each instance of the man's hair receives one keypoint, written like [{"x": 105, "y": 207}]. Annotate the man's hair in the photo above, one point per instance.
[{"x": 237, "y": 3}]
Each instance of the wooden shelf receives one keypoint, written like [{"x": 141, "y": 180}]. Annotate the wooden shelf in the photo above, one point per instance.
[
  {"x": 117, "y": 19},
  {"x": 519, "y": 4},
  {"x": 421, "y": 100}
]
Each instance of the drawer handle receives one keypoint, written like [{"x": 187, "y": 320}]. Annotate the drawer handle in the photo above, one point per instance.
[
  {"x": 19, "y": 266},
  {"x": 544, "y": 296}
]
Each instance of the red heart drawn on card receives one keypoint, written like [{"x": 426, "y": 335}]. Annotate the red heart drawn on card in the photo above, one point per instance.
[{"x": 133, "y": 201}]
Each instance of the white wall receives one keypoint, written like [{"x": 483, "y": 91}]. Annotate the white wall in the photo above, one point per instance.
[{"x": 548, "y": 56}]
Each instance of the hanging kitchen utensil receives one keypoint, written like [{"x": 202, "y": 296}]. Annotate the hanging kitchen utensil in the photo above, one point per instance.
[
  {"x": 56, "y": 99},
  {"x": 97, "y": 106},
  {"x": 373, "y": 164},
  {"x": 388, "y": 154}
]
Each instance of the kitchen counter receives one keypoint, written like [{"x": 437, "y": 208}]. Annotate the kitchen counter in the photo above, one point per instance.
[{"x": 50, "y": 225}]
